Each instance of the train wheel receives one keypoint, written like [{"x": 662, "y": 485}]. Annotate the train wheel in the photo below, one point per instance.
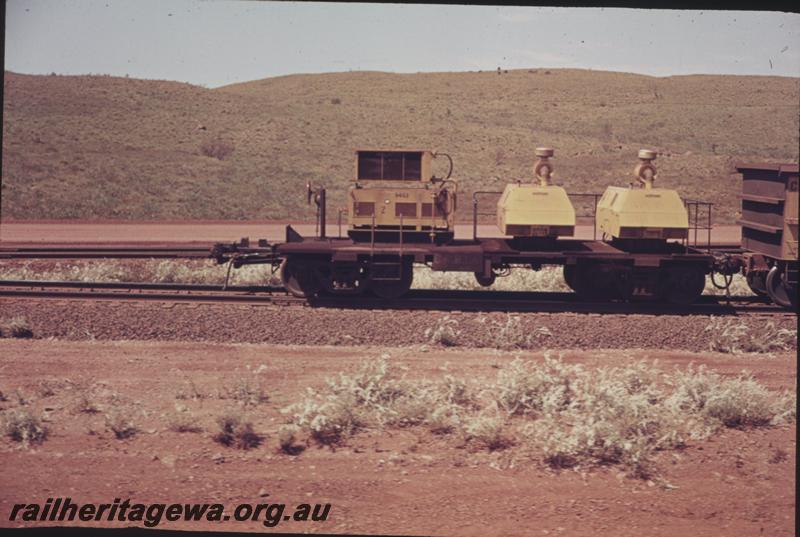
[
  {"x": 593, "y": 282},
  {"x": 600, "y": 281},
  {"x": 780, "y": 293},
  {"x": 299, "y": 279},
  {"x": 757, "y": 281},
  {"x": 682, "y": 285},
  {"x": 390, "y": 289},
  {"x": 485, "y": 281}
]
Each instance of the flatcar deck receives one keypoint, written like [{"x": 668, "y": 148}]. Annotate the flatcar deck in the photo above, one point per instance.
[{"x": 470, "y": 255}]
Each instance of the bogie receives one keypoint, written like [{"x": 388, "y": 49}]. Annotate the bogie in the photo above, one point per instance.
[
  {"x": 299, "y": 278},
  {"x": 682, "y": 285}
]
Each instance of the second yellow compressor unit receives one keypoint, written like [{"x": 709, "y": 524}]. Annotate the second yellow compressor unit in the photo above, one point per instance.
[{"x": 536, "y": 210}]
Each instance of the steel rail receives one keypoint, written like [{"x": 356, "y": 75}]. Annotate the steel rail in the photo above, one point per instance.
[
  {"x": 109, "y": 252},
  {"x": 421, "y": 299},
  {"x": 189, "y": 287}
]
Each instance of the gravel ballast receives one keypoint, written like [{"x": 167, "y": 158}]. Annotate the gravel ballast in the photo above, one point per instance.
[{"x": 80, "y": 320}]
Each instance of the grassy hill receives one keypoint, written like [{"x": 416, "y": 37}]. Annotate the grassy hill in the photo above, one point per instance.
[{"x": 105, "y": 147}]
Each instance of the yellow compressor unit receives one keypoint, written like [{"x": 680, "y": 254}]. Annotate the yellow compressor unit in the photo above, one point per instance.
[
  {"x": 643, "y": 213},
  {"x": 536, "y": 210}
]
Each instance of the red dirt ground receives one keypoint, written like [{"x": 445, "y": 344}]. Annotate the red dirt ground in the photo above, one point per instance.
[{"x": 399, "y": 481}]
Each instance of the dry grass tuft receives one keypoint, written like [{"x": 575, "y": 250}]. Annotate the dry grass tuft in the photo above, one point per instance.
[
  {"x": 549, "y": 278},
  {"x": 287, "y": 439},
  {"x": 183, "y": 420},
  {"x": 487, "y": 431},
  {"x": 119, "y": 420},
  {"x": 149, "y": 270},
  {"x": 376, "y": 396},
  {"x": 527, "y": 388},
  {"x": 735, "y": 336},
  {"x": 247, "y": 391},
  {"x": 738, "y": 287},
  {"x": 22, "y": 426},
  {"x": 445, "y": 332},
  {"x": 16, "y": 327},
  {"x": 236, "y": 431},
  {"x": 510, "y": 334},
  {"x": 216, "y": 148}
]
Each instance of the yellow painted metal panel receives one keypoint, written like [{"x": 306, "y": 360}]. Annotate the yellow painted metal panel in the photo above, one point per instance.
[
  {"x": 546, "y": 209},
  {"x": 647, "y": 208}
]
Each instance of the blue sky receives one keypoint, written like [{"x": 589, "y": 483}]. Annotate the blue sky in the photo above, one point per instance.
[{"x": 213, "y": 43}]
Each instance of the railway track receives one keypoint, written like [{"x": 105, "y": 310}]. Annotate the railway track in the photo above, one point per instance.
[
  {"x": 421, "y": 299},
  {"x": 144, "y": 251}
]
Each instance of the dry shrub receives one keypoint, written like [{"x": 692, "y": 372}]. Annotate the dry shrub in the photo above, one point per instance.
[
  {"x": 510, "y": 333},
  {"x": 119, "y": 420},
  {"x": 506, "y": 334},
  {"x": 216, "y": 148},
  {"x": 246, "y": 391},
  {"x": 87, "y": 397},
  {"x": 22, "y": 426},
  {"x": 183, "y": 420},
  {"x": 347, "y": 404},
  {"x": 613, "y": 415},
  {"x": 80, "y": 271},
  {"x": 570, "y": 415},
  {"x": 548, "y": 278},
  {"x": 487, "y": 431},
  {"x": 445, "y": 332},
  {"x": 151, "y": 270},
  {"x": 444, "y": 419},
  {"x": 738, "y": 287},
  {"x": 190, "y": 391},
  {"x": 287, "y": 439},
  {"x": 47, "y": 388},
  {"x": 624, "y": 415},
  {"x": 527, "y": 388},
  {"x": 375, "y": 396},
  {"x": 741, "y": 402},
  {"x": 16, "y": 327},
  {"x": 236, "y": 431},
  {"x": 734, "y": 336}
]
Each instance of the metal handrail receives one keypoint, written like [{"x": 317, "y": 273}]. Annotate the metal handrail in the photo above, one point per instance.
[
  {"x": 595, "y": 198},
  {"x": 339, "y": 220},
  {"x": 694, "y": 220},
  {"x": 475, "y": 212}
]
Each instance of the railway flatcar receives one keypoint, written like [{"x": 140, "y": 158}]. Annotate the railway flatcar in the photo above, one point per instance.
[{"x": 402, "y": 214}]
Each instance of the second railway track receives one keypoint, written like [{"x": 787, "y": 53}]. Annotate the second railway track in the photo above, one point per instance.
[{"x": 421, "y": 299}]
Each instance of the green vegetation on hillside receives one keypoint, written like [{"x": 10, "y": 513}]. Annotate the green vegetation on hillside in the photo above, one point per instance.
[{"x": 104, "y": 147}]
